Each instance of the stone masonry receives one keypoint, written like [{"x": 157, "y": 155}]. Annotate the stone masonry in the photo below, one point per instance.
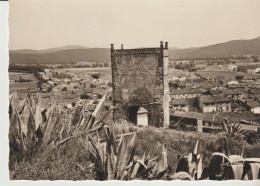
[{"x": 140, "y": 79}]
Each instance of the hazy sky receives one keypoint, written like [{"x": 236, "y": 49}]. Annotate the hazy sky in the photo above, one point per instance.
[{"x": 40, "y": 24}]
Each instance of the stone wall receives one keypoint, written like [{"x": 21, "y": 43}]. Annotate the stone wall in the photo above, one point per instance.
[{"x": 140, "y": 79}]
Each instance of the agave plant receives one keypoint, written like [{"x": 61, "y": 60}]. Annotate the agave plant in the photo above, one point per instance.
[
  {"x": 28, "y": 132},
  {"x": 231, "y": 129},
  {"x": 225, "y": 167},
  {"x": 111, "y": 160},
  {"x": 151, "y": 168},
  {"x": 236, "y": 167},
  {"x": 32, "y": 130},
  {"x": 191, "y": 164},
  {"x": 82, "y": 125},
  {"x": 115, "y": 159}
]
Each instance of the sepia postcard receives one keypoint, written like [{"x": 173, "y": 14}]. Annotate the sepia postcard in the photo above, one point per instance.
[{"x": 134, "y": 90}]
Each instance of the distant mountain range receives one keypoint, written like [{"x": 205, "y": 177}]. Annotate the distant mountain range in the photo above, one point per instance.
[
  {"x": 77, "y": 53},
  {"x": 54, "y": 56},
  {"x": 235, "y": 47},
  {"x": 30, "y": 51}
]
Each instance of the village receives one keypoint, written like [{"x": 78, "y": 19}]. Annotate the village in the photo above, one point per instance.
[
  {"x": 205, "y": 98},
  {"x": 199, "y": 100}
]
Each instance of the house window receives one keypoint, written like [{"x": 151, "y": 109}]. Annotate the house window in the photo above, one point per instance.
[
  {"x": 210, "y": 124},
  {"x": 203, "y": 123}
]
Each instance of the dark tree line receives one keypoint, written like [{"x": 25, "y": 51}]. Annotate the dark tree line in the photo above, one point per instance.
[{"x": 26, "y": 68}]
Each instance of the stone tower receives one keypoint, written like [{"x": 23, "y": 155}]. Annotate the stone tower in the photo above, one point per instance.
[{"x": 140, "y": 79}]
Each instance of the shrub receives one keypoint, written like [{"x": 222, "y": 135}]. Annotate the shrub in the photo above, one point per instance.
[
  {"x": 95, "y": 76},
  {"x": 85, "y": 96}
]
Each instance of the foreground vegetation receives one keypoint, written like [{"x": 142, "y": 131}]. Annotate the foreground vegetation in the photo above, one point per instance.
[{"x": 63, "y": 144}]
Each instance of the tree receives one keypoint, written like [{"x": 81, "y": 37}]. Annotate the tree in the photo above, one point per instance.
[
  {"x": 64, "y": 89},
  {"x": 95, "y": 76},
  {"x": 85, "y": 96},
  {"x": 255, "y": 58},
  {"x": 49, "y": 89},
  {"x": 239, "y": 77}
]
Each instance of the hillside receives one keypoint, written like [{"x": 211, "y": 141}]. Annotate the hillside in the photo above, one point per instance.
[
  {"x": 236, "y": 47},
  {"x": 30, "y": 51},
  {"x": 60, "y": 56},
  {"x": 79, "y": 53}
]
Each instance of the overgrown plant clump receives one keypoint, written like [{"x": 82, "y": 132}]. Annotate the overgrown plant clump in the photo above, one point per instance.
[
  {"x": 115, "y": 159},
  {"x": 30, "y": 128},
  {"x": 34, "y": 131},
  {"x": 58, "y": 143}
]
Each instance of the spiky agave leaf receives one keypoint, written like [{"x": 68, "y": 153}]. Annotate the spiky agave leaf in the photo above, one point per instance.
[
  {"x": 199, "y": 168},
  {"x": 99, "y": 106},
  {"x": 98, "y": 160},
  {"x": 129, "y": 154},
  {"x": 25, "y": 114},
  {"x": 78, "y": 116},
  {"x": 237, "y": 171},
  {"x": 195, "y": 151},
  {"x": 30, "y": 130},
  {"x": 255, "y": 170},
  {"x": 48, "y": 127},
  {"x": 120, "y": 153},
  {"x": 110, "y": 170},
  {"x": 37, "y": 113},
  {"x": 31, "y": 102},
  {"x": 134, "y": 170},
  {"x": 12, "y": 105},
  {"x": 49, "y": 112},
  {"x": 20, "y": 132},
  {"x": 162, "y": 163}
]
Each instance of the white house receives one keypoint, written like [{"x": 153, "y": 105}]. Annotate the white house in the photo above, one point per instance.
[
  {"x": 184, "y": 93},
  {"x": 254, "y": 106},
  {"x": 257, "y": 70},
  {"x": 142, "y": 117},
  {"x": 232, "y": 67},
  {"x": 232, "y": 83},
  {"x": 180, "y": 105},
  {"x": 213, "y": 104}
]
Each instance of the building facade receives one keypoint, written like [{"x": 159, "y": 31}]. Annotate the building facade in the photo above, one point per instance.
[{"x": 214, "y": 104}]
